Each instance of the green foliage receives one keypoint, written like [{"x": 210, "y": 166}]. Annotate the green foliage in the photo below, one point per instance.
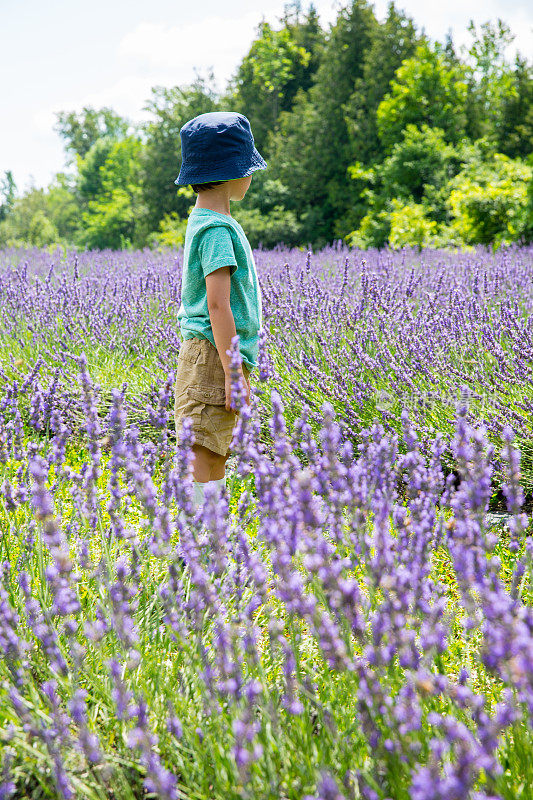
[
  {"x": 410, "y": 184},
  {"x": 171, "y": 232},
  {"x": 91, "y": 168},
  {"x": 374, "y": 230},
  {"x": 295, "y": 135},
  {"x": 41, "y": 230},
  {"x": 309, "y": 152},
  {"x": 528, "y": 210},
  {"x": 393, "y": 42},
  {"x": 426, "y": 89},
  {"x": 41, "y": 217},
  {"x": 81, "y": 131},
  {"x": 109, "y": 222},
  {"x": 409, "y": 226},
  {"x": 299, "y": 43},
  {"x": 267, "y": 230},
  {"x": 515, "y": 132},
  {"x": 62, "y": 208},
  {"x": 161, "y": 156},
  {"x": 419, "y": 164},
  {"x": 111, "y": 218},
  {"x": 264, "y": 73},
  {"x": 8, "y": 191},
  {"x": 265, "y": 216},
  {"x": 172, "y": 227},
  {"x": 428, "y": 192},
  {"x": 488, "y": 202},
  {"x": 307, "y": 34},
  {"x": 341, "y": 66},
  {"x": 490, "y": 80}
]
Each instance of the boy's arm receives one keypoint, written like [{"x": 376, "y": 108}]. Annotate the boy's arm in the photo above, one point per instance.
[{"x": 218, "y": 286}]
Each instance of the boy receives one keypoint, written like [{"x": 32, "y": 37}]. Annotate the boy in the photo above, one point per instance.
[{"x": 220, "y": 294}]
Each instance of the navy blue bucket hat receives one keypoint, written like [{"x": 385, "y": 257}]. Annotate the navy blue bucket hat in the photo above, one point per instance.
[{"x": 217, "y": 146}]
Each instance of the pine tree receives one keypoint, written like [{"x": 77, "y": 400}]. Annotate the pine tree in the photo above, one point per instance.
[
  {"x": 515, "y": 135},
  {"x": 393, "y": 41}
]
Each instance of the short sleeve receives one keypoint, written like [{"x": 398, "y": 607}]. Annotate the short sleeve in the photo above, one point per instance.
[{"x": 215, "y": 249}]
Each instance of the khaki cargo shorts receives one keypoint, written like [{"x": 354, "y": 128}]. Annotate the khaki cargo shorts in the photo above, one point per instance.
[{"x": 199, "y": 393}]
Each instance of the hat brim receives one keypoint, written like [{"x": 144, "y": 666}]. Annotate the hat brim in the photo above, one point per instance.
[{"x": 240, "y": 170}]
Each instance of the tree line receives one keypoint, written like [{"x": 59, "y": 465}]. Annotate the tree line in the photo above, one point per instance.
[{"x": 373, "y": 133}]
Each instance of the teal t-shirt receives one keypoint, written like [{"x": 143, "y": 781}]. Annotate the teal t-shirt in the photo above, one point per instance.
[{"x": 214, "y": 240}]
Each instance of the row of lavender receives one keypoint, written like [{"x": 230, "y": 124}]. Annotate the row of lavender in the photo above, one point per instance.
[
  {"x": 319, "y": 636},
  {"x": 369, "y": 332},
  {"x": 301, "y": 645}
]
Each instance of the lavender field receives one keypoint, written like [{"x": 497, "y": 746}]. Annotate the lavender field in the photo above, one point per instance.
[{"x": 351, "y": 620}]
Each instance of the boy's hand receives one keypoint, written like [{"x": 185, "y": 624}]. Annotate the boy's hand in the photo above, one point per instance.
[{"x": 246, "y": 383}]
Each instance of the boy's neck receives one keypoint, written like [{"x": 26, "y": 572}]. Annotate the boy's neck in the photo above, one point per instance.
[{"x": 219, "y": 204}]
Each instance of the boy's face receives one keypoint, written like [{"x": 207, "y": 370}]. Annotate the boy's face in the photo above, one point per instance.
[{"x": 239, "y": 187}]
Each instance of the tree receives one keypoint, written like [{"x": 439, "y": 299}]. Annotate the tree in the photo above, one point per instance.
[
  {"x": 410, "y": 184},
  {"x": 515, "y": 131},
  {"x": 28, "y": 221},
  {"x": 449, "y": 51},
  {"x": 341, "y": 67},
  {"x": 264, "y": 215},
  {"x": 80, "y": 131},
  {"x": 393, "y": 42},
  {"x": 426, "y": 89},
  {"x": 310, "y": 151},
  {"x": 443, "y": 194},
  {"x": 41, "y": 231},
  {"x": 171, "y": 232},
  {"x": 364, "y": 127},
  {"x": 527, "y": 232},
  {"x": 264, "y": 73},
  {"x": 278, "y": 63},
  {"x": 161, "y": 157},
  {"x": 488, "y": 201},
  {"x": 410, "y": 226},
  {"x": 8, "y": 191},
  {"x": 489, "y": 78},
  {"x": 62, "y": 207},
  {"x": 91, "y": 169},
  {"x": 308, "y": 34},
  {"x": 419, "y": 169},
  {"x": 112, "y": 216},
  {"x": 290, "y": 161}
]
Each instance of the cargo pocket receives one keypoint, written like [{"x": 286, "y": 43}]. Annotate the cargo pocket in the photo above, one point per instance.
[
  {"x": 211, "y": 395},
  {"x": 189, "y": 351}
]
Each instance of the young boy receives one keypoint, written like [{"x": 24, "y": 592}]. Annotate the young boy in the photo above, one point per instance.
[{"x": 220, "y": 294}]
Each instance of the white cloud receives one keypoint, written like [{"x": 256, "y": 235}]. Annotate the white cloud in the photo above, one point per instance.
[
  {"x": 156, "y": 54},
  {"x": 437, "y": 18},
  {"x": 126, "y": 96},
  {"x": 521, "y": 24},
  {"x": 215, "y": 41},
  {"x": 44, "y": 119}
]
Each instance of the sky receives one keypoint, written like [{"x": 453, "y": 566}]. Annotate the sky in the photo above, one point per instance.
[{"x": 62, "y": 55}]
